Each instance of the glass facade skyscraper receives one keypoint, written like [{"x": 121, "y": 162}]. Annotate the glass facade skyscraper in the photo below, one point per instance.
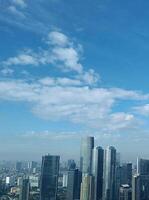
[
  {"x": 49, "y": 177},
  {"x": 97, "y": 172},
  {"x": 142, "y": 166},
  {"x": 74, "y": 184},
  {"x": 87, "y": 187},
  {"x": 109, "y": 174},
  {"x": 87, "y": 146},
  {"x": 24, "y": 189}
]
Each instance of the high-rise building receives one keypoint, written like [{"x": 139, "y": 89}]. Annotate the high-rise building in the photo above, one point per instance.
[
  {"x": 71, "y": 165},
  {"x": 65, "y": 179},
  {"x": 97, "y": 172},
  {"x": 125, "y": 192},
  {"x": 24, "y": 189},
  {"x": 126, "y": 174},
  {"x": 32, "y": 166},
  {"x": 49, "y": 177},
  {"x": 142, "y": 166},
  {"x": 87, "y": 187},
  {"x": 87, "y": 146},
  {"x": 18, "y": 166},
  {"x": 74, "y": 184},
  {"x": 109, "y": 189},
  {"x": 140, "y": 187}
]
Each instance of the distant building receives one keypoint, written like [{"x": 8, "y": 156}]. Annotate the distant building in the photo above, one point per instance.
[
  {"x": 87, "y": 187},
  {"x": 109, "y": 187},
  {"x": 126, "y": 174},
  {"x": 24, "y": 189},
  {"x": 32, "y": 166},
  {"x": 49, "y": 177},
  {"x": 18, "y": 166},
  {"x": 125, "y": 192},
  {"x": 87, "y": 146},
  {"x": 74, "y": 184},
  {"x": 140, "y": 187},
  {"x": 65, "y": 179},
  {"x": 71, "y": 165},
  {"x": 34, "y": 181},
  {"x": 97, "y": 172},
  {"x": 142, "y": 166}
]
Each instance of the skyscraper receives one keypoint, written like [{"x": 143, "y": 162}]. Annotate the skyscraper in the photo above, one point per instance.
[
  {"x": 126, "y": 174},
  {"x": 87, "y": 146},
  {"x": 87, "y": 187},
  {"x": 109, "y": 174},
  {"x": 140, "y": 184},
  {"x": 74, "y": 184},
  {"x": 97, "y": 172},
  {"x": 24, "y": 189},
  {"x": 18, "y": 166},
  {"x": 142, "y": 166},
  {"x": 71, "y": 164},
  {"x": 125, "y": 192},
  {"x": 49, "y": 177}
]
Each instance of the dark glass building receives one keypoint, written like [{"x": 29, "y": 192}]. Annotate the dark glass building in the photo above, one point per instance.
[
  {"x": 126, "y": 174},
  {"x": 142, "y": 166},
  {"x": 49, "y": 177},
  {"x": 125, "y": 192},
  {"x": 74, "y": 184},
  {"x": 97, "y": 172},
  {"x": 24, "y": 189},
  {"x": 109, "y": 182}
]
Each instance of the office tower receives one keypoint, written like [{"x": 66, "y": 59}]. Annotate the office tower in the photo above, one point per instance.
[
  {"x": 125, "y": 192},
  {"x": 140, "y": 187},
  {"x": 71, "y": 165},
  {"x": 87, "y": 187},
  {"x": 117, "y": 181},
  {"x": 65, "y": 179},
  {"x": 24, "y": 189},
  {"x": 18, "y": 166},
  {"x": 126, "y": 173},
  {"x": 32, "y": 166},
  {"x": 74, "y": 184},
  {"x": 142, "y": 166},
  {"x": 97, "y": 172},
  {"x": 49, "y": 177},
  {"x": 87, "y": 146},
  {"x": 136, "y": 187},
  {"x": 109, "y": 174}
]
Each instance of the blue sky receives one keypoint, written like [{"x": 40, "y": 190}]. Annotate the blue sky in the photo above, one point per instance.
[{"x": 73, "y": 68}]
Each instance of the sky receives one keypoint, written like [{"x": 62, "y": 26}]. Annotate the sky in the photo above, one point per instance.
[{"x": 71, "y": 68}]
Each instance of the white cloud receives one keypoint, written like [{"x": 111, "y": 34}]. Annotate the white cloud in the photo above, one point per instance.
[
  {"x": 67, "y": 58},
  {"x": 7, "y": 71},
  {"x": 143, "y": 110},
  {"x": 58, "y": 38},
  {"x": 22, "y": 59},
  {"x": 20, "y": 3},
  {"x": 47, "y": 135},
  {"x": 89, "y": 106},
  {"x": 61, "y": 53},
  {"x": 50, "y": 81},
  {"x": 16, "y": 11},
  {"x": 90, "y": 77}
]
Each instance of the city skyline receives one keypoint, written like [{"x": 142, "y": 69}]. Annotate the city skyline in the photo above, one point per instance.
[{"x": 66, "y": 74}]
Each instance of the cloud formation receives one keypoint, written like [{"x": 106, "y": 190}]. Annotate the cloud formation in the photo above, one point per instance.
[
  {"x": 61, "y": 53},
  {"x": 143, "y": 110},
  {"x": 75, "y": 98},
  {"x": 55, "y": 101}
]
